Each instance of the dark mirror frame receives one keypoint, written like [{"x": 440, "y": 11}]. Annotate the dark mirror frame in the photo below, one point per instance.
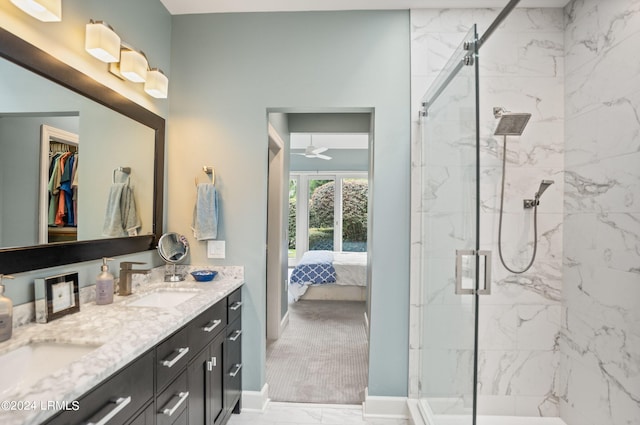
[{"x": 22, "y": 259}]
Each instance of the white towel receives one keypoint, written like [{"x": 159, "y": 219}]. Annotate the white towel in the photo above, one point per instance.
[{"x": 205, "y": 212}]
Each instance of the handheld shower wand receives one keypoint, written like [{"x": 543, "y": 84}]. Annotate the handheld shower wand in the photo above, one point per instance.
[{"x": 544, "y": 185}]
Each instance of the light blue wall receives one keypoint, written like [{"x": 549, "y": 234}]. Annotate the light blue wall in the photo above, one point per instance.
[{"x": 227, "y": 70}]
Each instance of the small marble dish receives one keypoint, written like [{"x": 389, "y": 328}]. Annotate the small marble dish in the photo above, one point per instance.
[{"x": 204, "y": 275}]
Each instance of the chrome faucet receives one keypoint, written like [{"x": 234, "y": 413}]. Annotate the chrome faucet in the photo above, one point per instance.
[{"x": 126, "y": 270}]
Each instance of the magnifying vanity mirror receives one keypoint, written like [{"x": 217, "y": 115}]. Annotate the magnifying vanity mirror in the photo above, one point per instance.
[
  {"x": 112, "y": 132},
  {"x": 173, "y": 248}
]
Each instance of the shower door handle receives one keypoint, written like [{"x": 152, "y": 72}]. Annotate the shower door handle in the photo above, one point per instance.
[
  {"x": 466, "y": 270},
  {"x": 485, "y": 272}
]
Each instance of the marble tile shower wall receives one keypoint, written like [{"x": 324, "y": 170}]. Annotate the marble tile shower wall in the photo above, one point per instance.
[
  {"x": 521, "y": 69},
  {"x": 600, "y": 340}
]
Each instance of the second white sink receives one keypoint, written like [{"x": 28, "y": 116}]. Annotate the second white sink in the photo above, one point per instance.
[
  {"x": 163, "y": 299},
  {"x": 26, "y": 365}
]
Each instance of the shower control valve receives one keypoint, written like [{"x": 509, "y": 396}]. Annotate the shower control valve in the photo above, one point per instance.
[{"x": 530, "y": 203}]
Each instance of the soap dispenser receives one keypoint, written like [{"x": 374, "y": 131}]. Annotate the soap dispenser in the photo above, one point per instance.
[
  {"x": 104, "y": 284},
  {"x": 6, "y": 312}
]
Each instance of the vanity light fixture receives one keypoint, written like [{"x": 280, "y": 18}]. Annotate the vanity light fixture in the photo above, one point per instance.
[
  {"x": 133, "y": 65},
  {"x": 102, "y": 42},
  {"x": 157, "y": 84},
  {"x": 124, "y": 61},
  {"x": 43, "y": 10}
]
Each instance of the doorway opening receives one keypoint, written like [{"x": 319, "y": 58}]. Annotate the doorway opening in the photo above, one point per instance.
[{"x": 317, "y": 256}]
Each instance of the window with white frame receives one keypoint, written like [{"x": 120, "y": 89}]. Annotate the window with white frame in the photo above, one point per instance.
[{"x": 327, "y": 211}]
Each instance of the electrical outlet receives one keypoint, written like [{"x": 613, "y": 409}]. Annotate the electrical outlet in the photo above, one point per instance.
[{"x": 215, "y": 249}]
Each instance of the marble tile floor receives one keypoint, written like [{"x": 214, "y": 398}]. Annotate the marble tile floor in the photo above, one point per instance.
[{"x": 278, "y": 413}]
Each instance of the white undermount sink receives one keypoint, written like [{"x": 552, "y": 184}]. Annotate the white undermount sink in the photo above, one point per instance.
[
  {"x": 163, "y": 299},
  {"x": 24, "y": 366}
]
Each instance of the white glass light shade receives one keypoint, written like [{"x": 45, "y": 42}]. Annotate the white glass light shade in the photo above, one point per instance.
[
  {"x": 157, "y": 84},
  {"x": 102, "y": 42},
  {"x": 133, "y": 66},
  {"x": 43, "y": 10}
]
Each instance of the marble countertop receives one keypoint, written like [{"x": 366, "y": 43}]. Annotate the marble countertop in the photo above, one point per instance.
[{"x": 121, "y": 331}]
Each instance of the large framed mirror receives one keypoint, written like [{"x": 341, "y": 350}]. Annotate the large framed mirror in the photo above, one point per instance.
[{"x": 114, "y": 133}]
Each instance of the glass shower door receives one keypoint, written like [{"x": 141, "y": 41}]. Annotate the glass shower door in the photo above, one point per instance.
[{"x": 449, "y": 217}]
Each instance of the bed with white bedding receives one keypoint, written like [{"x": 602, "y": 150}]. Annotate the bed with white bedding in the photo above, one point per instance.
[{"x": 329, "y": 275}]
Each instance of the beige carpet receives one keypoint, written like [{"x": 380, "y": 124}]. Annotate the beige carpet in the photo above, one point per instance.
[{"x": 321, "y": 356}]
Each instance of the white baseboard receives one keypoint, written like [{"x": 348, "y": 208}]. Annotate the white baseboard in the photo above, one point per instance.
[
  {"x": 255, "y": 401},
  {"x": 415, "y": 417},
  {"x": 284, "y": 322},
  {"x": 384, "y": 407}
]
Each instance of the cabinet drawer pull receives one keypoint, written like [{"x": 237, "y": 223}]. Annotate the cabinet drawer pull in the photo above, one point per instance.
[
  {"x": 118, "y": 404},
  {"x": 237, "y": 368},
  {"x": 235, "y": 335},
  {"x": 212, "y": 325},
  {"x": 175, "y": 357},
  {"x": 182, "y": 397},
  {"x": 236, "y": 305}
]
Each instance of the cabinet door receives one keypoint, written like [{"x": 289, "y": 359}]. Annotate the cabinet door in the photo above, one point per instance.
[
  {"x": 216, "y": 386},
  {"x": 205, "y": 380},
  {"x": 198, "y": 379}
]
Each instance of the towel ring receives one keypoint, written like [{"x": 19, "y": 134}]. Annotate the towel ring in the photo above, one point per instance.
[
  {"x": 208, "y": 171},
  {"x": 126, "y": 170}
]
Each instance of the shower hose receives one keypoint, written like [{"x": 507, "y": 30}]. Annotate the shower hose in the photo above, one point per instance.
[{"x": 535, "y": 219}]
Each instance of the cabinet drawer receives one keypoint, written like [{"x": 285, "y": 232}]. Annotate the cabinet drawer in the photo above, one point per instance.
[
  {"x": 173, "y": 401},
  {"x": 233, "y": 341},
  {"x": 234, "y": 305},
  {"x": 119, "y": 397},
  {"x": 172, "y": 356},
  {"x": 206, "y": 326}
]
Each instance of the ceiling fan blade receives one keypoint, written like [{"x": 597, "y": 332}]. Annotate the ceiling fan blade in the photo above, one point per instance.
[
  {"x": 320, "y": 149},
  {"x": 323, "y": 156}
]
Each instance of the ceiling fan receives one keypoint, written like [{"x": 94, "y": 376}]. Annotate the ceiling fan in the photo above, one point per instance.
[{"x": 314, "y": 152}]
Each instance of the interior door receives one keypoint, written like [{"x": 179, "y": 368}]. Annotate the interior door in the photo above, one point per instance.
[{"x": 449, "y": 263}]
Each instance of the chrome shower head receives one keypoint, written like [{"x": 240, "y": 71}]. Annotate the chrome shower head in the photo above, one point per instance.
[
  {"x": 511, "y": 123},
  {"x": 544, "y": 185}
]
